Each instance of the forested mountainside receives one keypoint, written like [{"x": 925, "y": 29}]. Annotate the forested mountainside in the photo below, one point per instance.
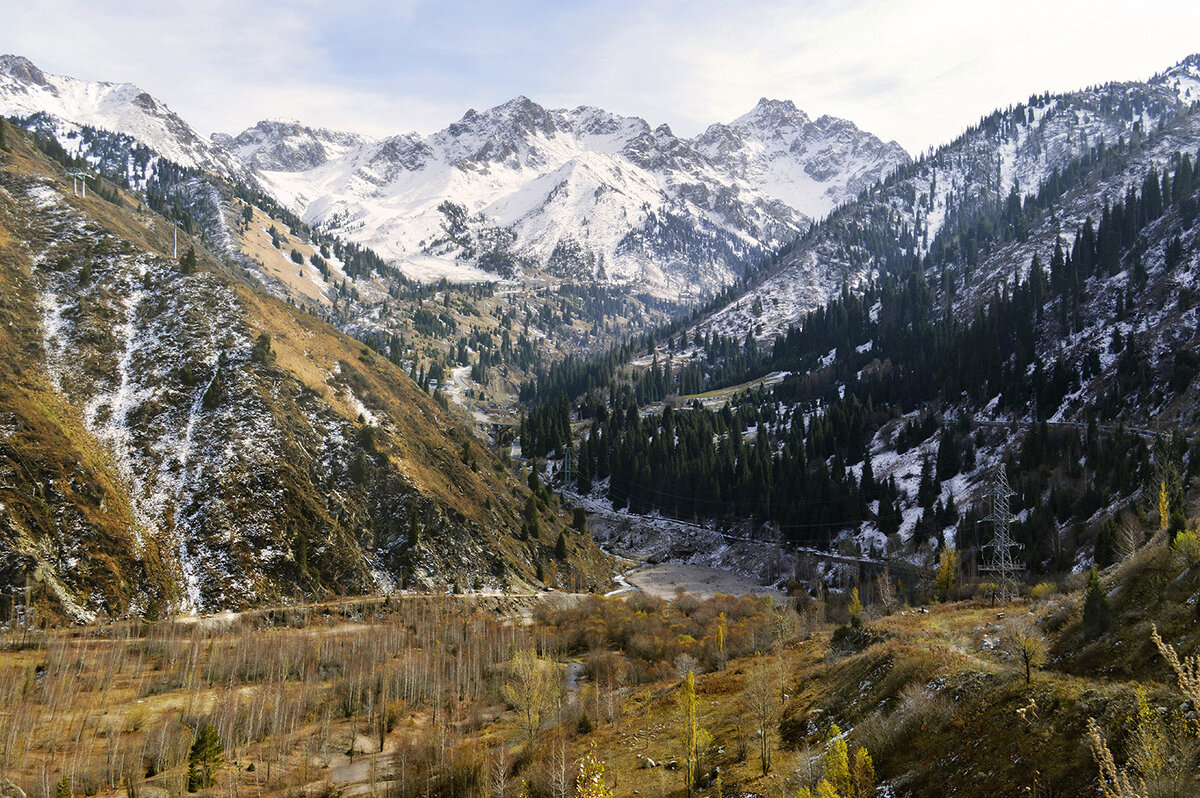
[
  {"x": 174, "y": 438},
  {"x": 1052, "y": 331},
  {"x": 927, "y": 215}
]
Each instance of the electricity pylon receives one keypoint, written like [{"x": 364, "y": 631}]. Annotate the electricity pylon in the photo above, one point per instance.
[{"x": 1002, "y": 562}]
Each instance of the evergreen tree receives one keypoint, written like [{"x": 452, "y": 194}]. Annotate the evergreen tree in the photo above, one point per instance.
[
  {"x": 927, "y": 491},
  {"x": 560, "y": 547},
  {"x": 533, "y": 523},
  {"x": 1106, "y": 543},
  {"x": 187, "y": 261},
  {"x": 889, "y": 513},
  {"x": 948, "y": 458},
  {"x": 1096, "y": 615},
  {"x": 866, "y": 484},
  {"x": 205, "y": 759},
  {"x": 414, "y": 528},
  {"x": 63, "y": 789},
  {"x": 262, "y": 351},
  {"x": 3, "y": 140}
]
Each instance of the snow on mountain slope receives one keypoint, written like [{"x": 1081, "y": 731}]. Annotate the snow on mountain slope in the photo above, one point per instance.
[
  {"x": 286, "y": 144},
  {"x": 518, "y": 185},
  {"x": 118, "y": 107},
  {"x": 594, "y": 182},
  {"x": 1013, "y": 149},
  {"x": 184, "y": 428},
  {"x": 810, "y": 166}
]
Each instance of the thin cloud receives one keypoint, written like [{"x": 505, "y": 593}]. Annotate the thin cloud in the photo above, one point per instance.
[{"x": 916, "y": 71}]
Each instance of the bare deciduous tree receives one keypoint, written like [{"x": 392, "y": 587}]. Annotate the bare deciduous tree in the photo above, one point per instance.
[
  {"x": 760, "y": 695},
  {"x": 1026, "y": 645}
]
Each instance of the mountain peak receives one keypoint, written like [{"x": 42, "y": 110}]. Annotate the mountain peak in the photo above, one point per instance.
[
  {"x": 772, "y": 114},
  {"x": 21, "y": 68}
]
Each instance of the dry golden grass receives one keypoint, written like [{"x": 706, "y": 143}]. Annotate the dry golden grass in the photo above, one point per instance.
[{"x": 299, "y": 279}]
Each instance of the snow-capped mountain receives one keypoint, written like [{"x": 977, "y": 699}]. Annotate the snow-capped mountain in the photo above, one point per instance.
[
  {"x": 1010, "y": 153},
  {"x": 583, "y": 193},
  {"x": 124, "y": 108},
  {"x": 580, "y": 192}
]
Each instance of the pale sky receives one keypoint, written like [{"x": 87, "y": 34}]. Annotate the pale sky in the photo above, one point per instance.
[{"x": 917, "y": 71}]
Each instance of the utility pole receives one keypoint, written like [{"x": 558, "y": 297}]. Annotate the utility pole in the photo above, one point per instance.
[
  {"x": 569, "y": 467},
  {"x": 78, "y": 182},
  {"x": 1002, "y": 563}
]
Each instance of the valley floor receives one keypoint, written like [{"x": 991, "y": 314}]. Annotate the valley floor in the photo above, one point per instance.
[{"x": 427, "y": 695}]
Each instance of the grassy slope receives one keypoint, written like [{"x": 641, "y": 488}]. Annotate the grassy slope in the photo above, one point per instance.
[
  {"x": 54, "y": 478},
  {"x": 939, "y": 709},
  {"x": 67, "y": 511}
]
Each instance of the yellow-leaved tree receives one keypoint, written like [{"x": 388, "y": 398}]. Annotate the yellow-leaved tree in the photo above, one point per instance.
[
  {"x": 862, "y": 774},
  {"x": 688, "y": 731},
  {"x": 1164, "y": 506},
  {"x": 856, "y": 607},
  {"x": 946, "y": 578},
  {"x": 837, "y": 763},
  {"x": 590, "y": 782},
  {"x": 530, "y": 688}
]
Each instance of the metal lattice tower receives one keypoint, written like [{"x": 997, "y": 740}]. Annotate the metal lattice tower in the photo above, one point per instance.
[{"x": 1002, "y": 563}]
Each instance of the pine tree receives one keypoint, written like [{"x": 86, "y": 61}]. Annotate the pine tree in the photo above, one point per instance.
[
  {"x": 1106, "y": 543},
  {"x": 533, "y": 524},
  {"x": 927, "y": 491},
  {"x": 205, "y": 759},
  {"x": 187, "y": 262},
  {"x": 889, "y": 514},
  {"x": 63, "y": 789},
  {"x": 1096, "y": 615},
  {"x": 560, "y": 547},
  {"x": 866, "y": 483},
  {"x": 3, "y": 140}
]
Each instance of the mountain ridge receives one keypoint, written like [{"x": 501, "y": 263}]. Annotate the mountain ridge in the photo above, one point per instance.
[{"x": 663, "y": 212}]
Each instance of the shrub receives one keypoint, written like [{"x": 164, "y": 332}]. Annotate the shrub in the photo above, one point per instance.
[
  {"x": 1187, "y": 547},
  {"x": 1042, "y": 590}
]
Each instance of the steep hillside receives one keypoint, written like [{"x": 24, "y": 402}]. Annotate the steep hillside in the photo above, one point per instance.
[
  {"x": 174, "y": 438},
  {"x": 1009, "y": 154}
]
